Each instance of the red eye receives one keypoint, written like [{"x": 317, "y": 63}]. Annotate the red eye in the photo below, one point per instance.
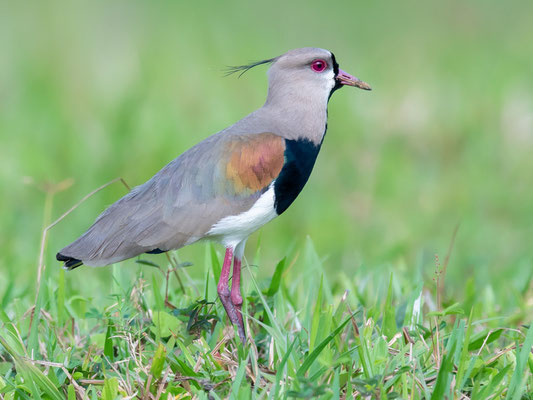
[{"x": 319, "y": 65}]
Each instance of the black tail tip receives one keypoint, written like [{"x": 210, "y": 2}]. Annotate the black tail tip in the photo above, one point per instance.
[{"x": 70, "y": 263}]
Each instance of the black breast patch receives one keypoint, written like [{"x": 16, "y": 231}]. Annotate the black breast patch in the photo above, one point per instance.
[{"x": 300, "y": 157}]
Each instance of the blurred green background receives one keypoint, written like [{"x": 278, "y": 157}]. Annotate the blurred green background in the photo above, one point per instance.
[{"x": 96, "y": 90}]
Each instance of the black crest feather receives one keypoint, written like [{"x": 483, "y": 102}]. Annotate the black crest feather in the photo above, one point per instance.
[{"x": 241, "y": 69}]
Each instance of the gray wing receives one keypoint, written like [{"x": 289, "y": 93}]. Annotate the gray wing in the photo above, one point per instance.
[{"x": 221, "y": 176}]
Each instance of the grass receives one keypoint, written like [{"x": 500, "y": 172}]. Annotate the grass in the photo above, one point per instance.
[
  {"x": 383, "y": 340},
  {"x": 89, "y": 93}
]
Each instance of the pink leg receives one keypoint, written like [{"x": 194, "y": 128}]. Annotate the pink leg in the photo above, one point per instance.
[
  {"x": 223, "y": 287},
  {"x": 236, "y": 297}
]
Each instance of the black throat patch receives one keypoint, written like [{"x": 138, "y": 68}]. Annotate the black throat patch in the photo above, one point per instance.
[
  {"x": 338, "y": 85},
  {"x": 300, "y": 157}
]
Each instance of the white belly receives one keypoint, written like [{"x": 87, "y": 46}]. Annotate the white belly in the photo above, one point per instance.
[{"x": 232, "y": 230}]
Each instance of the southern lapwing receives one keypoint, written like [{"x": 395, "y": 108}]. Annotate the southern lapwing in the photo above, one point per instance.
[{"x": 230, "y": 184}]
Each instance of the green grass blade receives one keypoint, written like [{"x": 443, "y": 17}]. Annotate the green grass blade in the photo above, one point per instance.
[
  {"x": 158, "y": 361},
  {"x": 159, "y": 302},
  {"x": 108, "y": 343},
  {"x": 279, "y": 373},
  {"x": 316, "y": 352},
  {"x": 71, "y": 393},
  {"x": 110, "y": 390},
  {"x": 389, "y": 323},
  {"x": 442, "y": 386},
  {"x": 517, "y": 384},
  {"x": 484, "y": 338},
  {"x": 364, "y": 355},
  {"x": 4, "y": 317},
  {"x": 276, "y": 278},
  {"x": 215, "y": 262},
  {"x": 238, "y": 380},
  {"x": 335, "y": 387},
  {"x": 315, "y": 320},
  {"x": 33, "y": 339},
  {"x": 61, "y": 310},
  {"x": 463, "y": 364}
]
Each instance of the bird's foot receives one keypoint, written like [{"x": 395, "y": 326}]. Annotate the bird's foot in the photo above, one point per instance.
[
  {"x": 234, "y": 311},
  {"x": 240, "y": 327},
  {"x": 234, "y": 314},
  {"x": 237, "y": 304},
  {"x": 228, "y": 306},
  {"x": 232, "y": 302}
]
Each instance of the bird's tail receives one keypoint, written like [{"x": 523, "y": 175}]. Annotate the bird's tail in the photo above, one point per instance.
[{"x": 70, "y": 262}]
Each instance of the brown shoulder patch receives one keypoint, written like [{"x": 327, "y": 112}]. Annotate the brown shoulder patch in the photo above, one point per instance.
[{"x": 255, "y": 161}]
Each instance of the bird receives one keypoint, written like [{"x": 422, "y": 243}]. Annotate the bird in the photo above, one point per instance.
[{"x": 230, "y": 184}]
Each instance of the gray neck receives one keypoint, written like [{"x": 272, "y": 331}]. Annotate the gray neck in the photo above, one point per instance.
[
  {"x": 293, "y": 114},
  {"x": 301, "y": 114}
]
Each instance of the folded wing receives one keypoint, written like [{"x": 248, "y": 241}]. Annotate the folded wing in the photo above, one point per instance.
[{"x": 223, "y": 175}]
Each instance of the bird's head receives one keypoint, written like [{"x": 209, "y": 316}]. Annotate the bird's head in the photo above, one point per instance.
[
  {"x": 312, "y": 67},
  {"x": 305, "y": 72}
]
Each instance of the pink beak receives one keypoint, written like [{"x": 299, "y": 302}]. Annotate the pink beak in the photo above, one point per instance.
[{"x": 345, "y": 78}]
